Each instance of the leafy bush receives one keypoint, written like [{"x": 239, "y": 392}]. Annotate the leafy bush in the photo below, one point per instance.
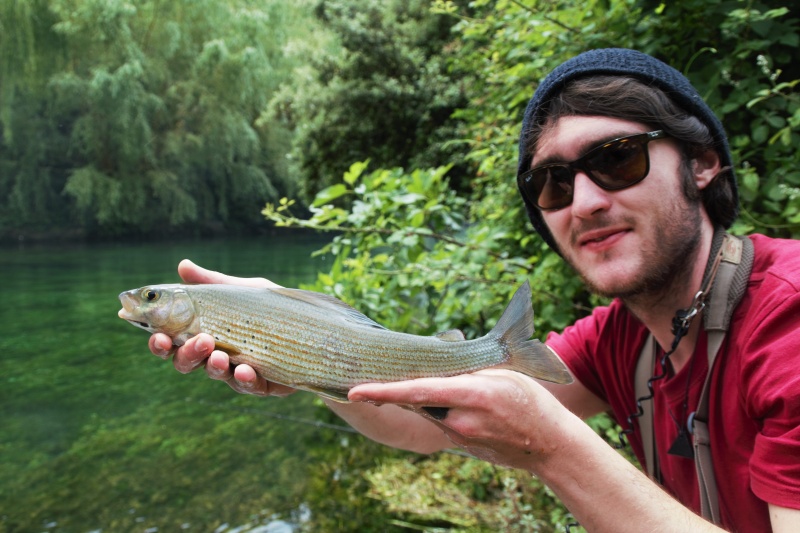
[
  {"x": 420, "y": 257},
  {"x": 386, "y": 95}
]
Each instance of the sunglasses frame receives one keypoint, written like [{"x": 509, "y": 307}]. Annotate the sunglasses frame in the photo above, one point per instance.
[{"x": 579, "y": 164}]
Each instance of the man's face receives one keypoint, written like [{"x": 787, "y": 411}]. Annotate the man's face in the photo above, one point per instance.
[{"x": 628, "y": 242}]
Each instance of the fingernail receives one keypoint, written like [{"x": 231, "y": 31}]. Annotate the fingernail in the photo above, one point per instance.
[
  {"x": 439, "y": 413},
  {"x": 161, "y": 351},
  {"x": 203, "y": 348}
]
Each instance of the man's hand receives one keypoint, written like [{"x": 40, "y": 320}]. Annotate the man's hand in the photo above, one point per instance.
[
  {"x": 497, "y": 415},
  {"x": 199, "y": 350}
]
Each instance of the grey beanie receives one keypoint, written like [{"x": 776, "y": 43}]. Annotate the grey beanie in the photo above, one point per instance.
[{"x": 651, "y": 71}]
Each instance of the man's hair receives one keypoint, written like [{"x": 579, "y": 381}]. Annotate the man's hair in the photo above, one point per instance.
[{"x": 629, "y": 99}]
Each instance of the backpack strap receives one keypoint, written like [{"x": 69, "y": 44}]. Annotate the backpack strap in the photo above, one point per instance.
[
  {"x": 731, "y": 273},
  {"x": 645, "y": 368},
  {"x": 728, "y": 290}
]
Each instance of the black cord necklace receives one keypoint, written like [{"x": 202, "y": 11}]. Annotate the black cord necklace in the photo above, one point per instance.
[{"x": 680, "y": 327}]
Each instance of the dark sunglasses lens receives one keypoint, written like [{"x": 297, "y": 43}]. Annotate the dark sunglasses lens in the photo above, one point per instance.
[
  {"x": 551, "y": 187},
  {"x": 613, "y": 166},
  {"x": 618, "y": 164}
]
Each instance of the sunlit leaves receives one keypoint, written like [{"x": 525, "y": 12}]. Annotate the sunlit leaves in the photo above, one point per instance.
[{"x": 329, "y": 194}]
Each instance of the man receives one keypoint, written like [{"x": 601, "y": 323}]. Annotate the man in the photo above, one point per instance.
[{"x": 626, "y": 173}]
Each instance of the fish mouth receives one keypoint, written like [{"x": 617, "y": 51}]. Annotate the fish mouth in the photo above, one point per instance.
[
  {"x": 143, "y": 325},
  {"x": 129, "y": 311},
  {"x": 128, "y": 301},
  {"x": 124, "y": 315}
]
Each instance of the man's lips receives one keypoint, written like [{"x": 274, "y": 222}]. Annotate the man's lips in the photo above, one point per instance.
[{"x": 600, "y": 237}]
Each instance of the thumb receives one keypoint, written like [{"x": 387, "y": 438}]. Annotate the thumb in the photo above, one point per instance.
[{"x": 192, "y": 273}]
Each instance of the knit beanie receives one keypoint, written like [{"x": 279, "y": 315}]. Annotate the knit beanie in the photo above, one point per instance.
[{"x": 645, "y": 68}]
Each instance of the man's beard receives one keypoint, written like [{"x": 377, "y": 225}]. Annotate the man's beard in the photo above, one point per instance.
[
  {"x": 671, "y": 254},
  {"x": 671, "y": 259}
]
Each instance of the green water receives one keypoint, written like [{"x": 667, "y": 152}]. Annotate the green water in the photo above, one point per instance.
[{"x": 96, "y": 434}]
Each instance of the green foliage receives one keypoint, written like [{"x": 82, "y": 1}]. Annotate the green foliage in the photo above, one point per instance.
[
  {"x": 137, "y": 118},
  {"x": 408, "y": 256},
  {"x": 419, "y": 257},
  {"x": 456, "y": 493},
  {"x": 386, "y": 96},
  {"x": 746, "y": 68}
]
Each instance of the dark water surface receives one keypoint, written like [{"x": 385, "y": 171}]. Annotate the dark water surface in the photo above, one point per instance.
[{"x": 96, "y": 434}]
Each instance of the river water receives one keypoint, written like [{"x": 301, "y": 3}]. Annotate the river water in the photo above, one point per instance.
[{"x": 96, "y": 434}]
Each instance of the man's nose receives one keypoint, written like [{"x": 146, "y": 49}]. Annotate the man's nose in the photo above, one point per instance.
[{"x": 588, "y": 198}]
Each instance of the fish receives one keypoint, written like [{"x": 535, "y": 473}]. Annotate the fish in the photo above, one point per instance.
[{"x": 316, "y": 342}]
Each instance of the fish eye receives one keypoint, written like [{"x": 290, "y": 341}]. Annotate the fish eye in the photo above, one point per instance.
[{"x": 150, "y": 295}]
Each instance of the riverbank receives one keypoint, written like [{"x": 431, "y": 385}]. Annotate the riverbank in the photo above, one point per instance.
[{"x": 74, "y": 235}]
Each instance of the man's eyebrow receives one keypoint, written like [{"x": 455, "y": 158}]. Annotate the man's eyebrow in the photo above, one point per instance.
[{"x": 586, "y": 147}]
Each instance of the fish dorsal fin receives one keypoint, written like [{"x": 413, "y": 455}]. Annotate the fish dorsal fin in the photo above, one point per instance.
[
  {"x": 330, "y": 303},
  {"x": 451, "y": 335}
]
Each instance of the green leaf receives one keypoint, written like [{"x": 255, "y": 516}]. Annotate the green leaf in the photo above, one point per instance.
[
  {"x": 329, "y": 194},
  {"x": 407, "y": 199},
  {"x": 355, "y": 171},
  {"x": 750, "y": 181}
]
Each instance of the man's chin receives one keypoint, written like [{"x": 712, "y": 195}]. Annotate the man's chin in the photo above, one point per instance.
[{"x": 612, "y": 281}]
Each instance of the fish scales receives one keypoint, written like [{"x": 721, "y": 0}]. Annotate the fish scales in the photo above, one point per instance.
[
  {"x": 384, "y": 354},
  {"x": 312, "y": 341},
  {"x": 381, "y": 352}
]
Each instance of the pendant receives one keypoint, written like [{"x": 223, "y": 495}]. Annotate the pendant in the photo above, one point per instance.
[{"x": 682, "y": 445}]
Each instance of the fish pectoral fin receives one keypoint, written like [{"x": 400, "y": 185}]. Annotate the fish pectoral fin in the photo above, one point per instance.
[
  {"x": 229, "y": 349},
  {"x": 330, "y": 303},
  {"x": 451, "y": 335},
  {"x": 326, "y": 393}
]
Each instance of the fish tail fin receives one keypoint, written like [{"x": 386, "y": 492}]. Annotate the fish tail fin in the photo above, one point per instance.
[{"x": 530, "y": 357}]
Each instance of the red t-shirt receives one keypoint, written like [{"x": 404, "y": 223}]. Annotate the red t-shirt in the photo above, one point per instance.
[{"x": 754, "y": 408}]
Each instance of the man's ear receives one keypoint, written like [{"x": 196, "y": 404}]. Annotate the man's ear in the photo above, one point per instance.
[{"x": 705, "y": 168}]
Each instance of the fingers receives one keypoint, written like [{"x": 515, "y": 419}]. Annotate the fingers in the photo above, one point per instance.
[
  {"x": 432, "y": 398},
  {"x": 193, "y": 354},
  {"x": 218, "y": 366},
  {"x": 242, "y": 378},
  {"x": 191, "y": 273},
  {"x": 447, "y": 399},
  {"x": 160, "y": 345},
  {"x": 431, "y": 392},
  {"x": 246, "y": 381}
]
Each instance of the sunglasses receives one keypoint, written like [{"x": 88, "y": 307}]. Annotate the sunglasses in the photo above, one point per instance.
[{"x": 612, "y": 166}]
